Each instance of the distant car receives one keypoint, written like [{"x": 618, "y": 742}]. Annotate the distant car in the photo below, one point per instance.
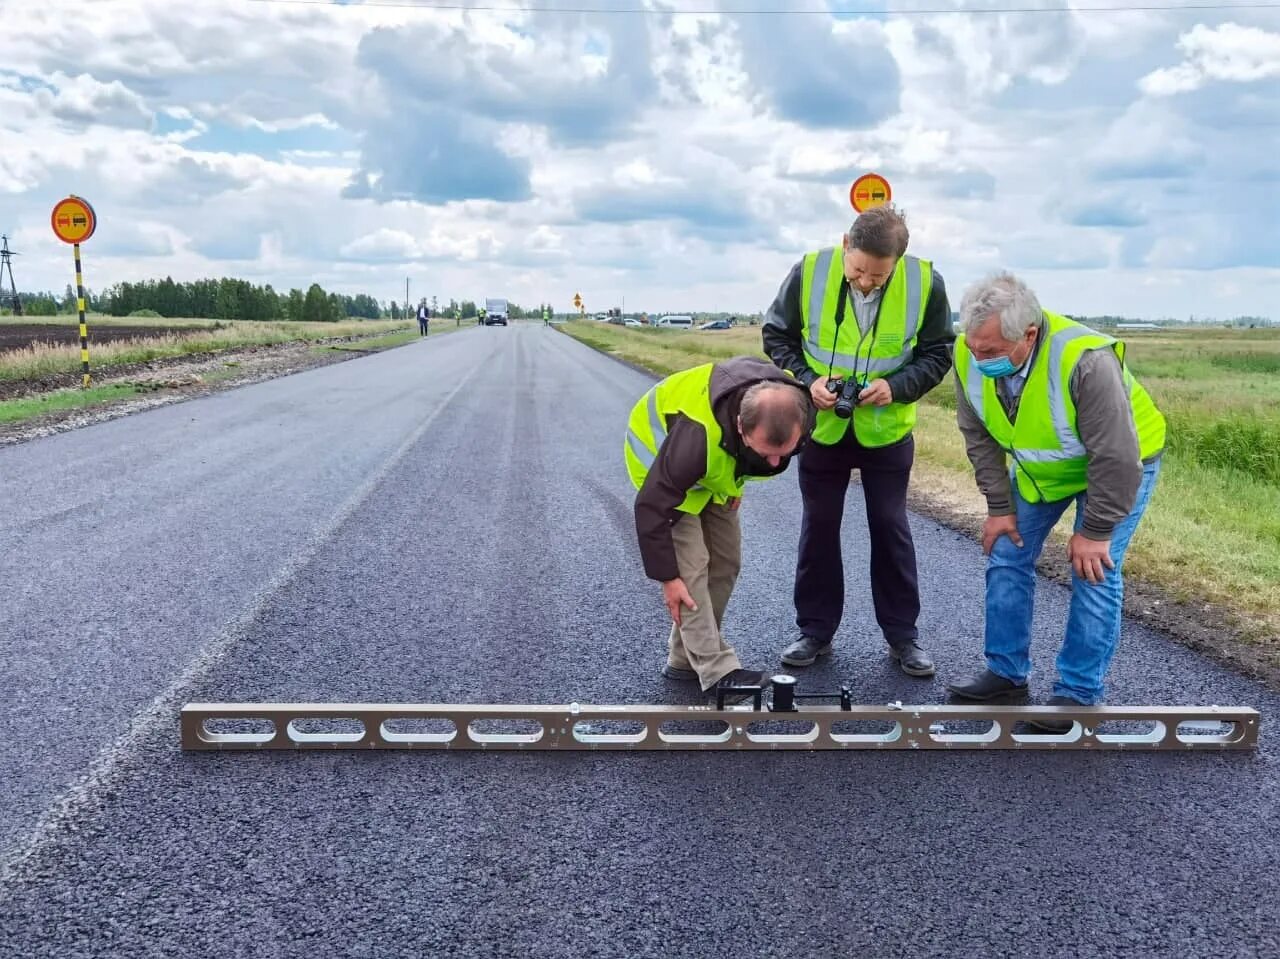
[
  {"x": 676, "y": 321},
  {"x": 495, "y": 312},
  {"x": 631, "y": 321},
  {"x": 715, "y": 325}
]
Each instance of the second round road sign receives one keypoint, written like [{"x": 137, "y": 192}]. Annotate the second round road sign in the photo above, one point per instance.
[
  {"x": 868, "y": 191},
  {"x": 73, "y": 220}
]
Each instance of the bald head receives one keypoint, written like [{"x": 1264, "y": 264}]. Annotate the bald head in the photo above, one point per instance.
[{"x": 772, "y": 418}]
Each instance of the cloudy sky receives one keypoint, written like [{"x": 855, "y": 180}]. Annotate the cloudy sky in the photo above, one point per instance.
[{"x": 680, "y": 155}]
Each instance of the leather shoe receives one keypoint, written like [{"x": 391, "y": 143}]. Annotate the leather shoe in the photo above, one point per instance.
[
  {"x": 988, "y": 687},
  {"x": 913, "y": 660},
  {"x": 1056, "y": 727},
  {"x": 805, "y": 650},
  {"x": 676, "y": 672}
]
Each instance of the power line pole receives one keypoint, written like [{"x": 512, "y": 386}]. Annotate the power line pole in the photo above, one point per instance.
[{"x": 6, "y": 264}]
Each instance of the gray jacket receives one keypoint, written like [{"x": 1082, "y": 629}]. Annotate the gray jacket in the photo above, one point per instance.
[{"x": 1104, "y": 420}]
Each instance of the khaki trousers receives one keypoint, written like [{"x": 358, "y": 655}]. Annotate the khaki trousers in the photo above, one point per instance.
[{"x": 709, "y": 555}]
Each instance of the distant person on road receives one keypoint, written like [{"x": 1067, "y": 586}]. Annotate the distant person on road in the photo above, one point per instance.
[
  {"x": 424, "y": 317},
  {"x": 869, "y": 317},
  {"x": 480, "y": 317},
  {"x": 1056, "y": 398},
  {"x": 692, "y": 442}
]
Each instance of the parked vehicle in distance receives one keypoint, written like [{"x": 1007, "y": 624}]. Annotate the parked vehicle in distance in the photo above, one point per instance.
[
  {"x": 495, "y": 312},
  {"x": 675, "y": 321},
  {"x": 631, "y": 321},
  {"x": 715, "y": 325}
]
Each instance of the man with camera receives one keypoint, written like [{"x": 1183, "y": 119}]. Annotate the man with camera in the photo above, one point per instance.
[
  {"x": 868, "y": 330},
  {"x": 693, "y": 441}
]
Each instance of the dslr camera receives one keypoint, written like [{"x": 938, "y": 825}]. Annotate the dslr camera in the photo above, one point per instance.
[{"x": 846, "y": 389}]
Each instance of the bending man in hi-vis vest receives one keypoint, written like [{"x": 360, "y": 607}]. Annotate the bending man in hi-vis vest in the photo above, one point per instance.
[
  {"x": 1051, "y": 415},
  {"x": 692, "y": 443},
  {"x": 868, "y": 330}
]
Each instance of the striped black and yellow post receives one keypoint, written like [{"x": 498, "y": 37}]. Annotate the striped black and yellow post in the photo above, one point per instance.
[
  {"x": 84, "y": 326},
  {"x": 73, "y": 222}
]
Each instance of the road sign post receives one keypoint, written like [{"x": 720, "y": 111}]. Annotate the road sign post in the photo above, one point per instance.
[{"x": 73, "y": 222}]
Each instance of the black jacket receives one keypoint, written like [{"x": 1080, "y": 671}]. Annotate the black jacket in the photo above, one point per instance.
[
  {"x": 928, "y": 365},
  {"x": 681, "y": 462}
]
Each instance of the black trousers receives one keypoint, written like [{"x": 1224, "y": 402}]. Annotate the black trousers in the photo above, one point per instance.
[{"x": 824, "y": 482}]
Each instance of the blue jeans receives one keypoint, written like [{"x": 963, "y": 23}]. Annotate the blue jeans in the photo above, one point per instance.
[{"x": 1093, "y": 624}]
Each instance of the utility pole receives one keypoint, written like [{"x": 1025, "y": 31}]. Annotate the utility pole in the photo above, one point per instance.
[{"x": 6, "y": 264}]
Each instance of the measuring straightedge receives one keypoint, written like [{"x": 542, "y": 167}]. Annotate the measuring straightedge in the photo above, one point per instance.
[{"x": 781, "y": 723}]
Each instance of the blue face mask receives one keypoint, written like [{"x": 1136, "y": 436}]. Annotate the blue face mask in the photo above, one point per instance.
[{"x": 996, "y": 367}]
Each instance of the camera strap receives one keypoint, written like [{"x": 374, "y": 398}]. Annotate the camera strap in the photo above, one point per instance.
[
  {"x": 835, "y": 338},
  {"x": 841, "y": 301}
]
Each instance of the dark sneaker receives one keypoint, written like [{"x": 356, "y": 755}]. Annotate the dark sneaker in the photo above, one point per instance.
[
  {"x": 989, "y": 687},
  {"x": 742, "y": 678},
  {"x": 1056, "y": 727},
  {"x": 805, "y": 650},
  {"x": 676, "y": 672},
  {"x": 913, "y": 660}
]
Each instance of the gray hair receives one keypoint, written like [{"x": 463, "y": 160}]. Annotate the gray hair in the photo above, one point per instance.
[
  {"x": 880, "y": 231},
  {"x": 779, "y": 418},
  {"x": 1003, "y": 295}
]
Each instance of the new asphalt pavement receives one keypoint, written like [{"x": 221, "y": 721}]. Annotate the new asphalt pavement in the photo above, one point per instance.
[{"x": 451, "y": 522}]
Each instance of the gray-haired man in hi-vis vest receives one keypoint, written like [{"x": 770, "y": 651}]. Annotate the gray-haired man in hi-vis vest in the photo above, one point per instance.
[
  {"x": 1051, "y": 416},
  {"x": 693, "y": 441}
]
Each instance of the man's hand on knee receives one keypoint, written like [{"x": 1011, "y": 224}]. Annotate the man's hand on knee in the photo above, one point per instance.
[
  {"x": 1090, "y": 558},
  {"x": 996, "y": 526},
  {"x": 676, "y": 595}
]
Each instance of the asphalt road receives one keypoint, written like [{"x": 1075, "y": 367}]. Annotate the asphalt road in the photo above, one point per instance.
[{"x": 450, "y": 522}]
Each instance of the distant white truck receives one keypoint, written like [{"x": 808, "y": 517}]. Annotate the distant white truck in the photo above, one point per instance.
[{"x": 495, "y": 312}]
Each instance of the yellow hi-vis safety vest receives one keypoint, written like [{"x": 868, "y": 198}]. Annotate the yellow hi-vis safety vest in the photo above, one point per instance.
[
  {"x": 882, "y": 350},
  {"x": 1049, "y": 460},
  {"x": 687, "y": 392}
]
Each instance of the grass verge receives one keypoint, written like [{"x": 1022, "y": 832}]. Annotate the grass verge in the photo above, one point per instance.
[{"x": 27, "y": 407}]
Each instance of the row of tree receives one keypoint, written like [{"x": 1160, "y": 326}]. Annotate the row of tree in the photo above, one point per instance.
[
  {"x": 232, "y": 299},
  {"x": 222, "y": 299}
]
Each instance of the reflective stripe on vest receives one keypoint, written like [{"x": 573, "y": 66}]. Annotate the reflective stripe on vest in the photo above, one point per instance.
[
  {"x": 817, "y": 298},
  {"x": 656, "y": 427}
]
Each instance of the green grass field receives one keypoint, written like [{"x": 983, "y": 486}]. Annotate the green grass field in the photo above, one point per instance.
[{"x": 1212, "y": 531}]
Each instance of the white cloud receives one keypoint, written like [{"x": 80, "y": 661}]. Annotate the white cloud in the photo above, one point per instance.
[
  {"x": 681, "y": 162},
  {"x": 383, "y": 244},
  {"x": 83, "y": 100},
  {"x": 1230, "y": 52}
]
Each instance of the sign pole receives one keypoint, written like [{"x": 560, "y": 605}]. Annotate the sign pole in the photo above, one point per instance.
[
  {"x": 73, "y": 222},
  {"x": 84, "y": 326}
]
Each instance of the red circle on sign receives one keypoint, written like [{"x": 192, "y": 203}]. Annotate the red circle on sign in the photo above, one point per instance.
[
  {"x": 73, "y": 220},
  {"x": 868, "y": 191}
]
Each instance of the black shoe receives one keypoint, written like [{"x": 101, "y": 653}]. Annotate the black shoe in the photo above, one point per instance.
[
  {"x": 989, "y": 688},
  {"x": 913, "y": 660},
  {"x": 675, "y": 672},
  {"x": 739, "y": 677},
  {"x": 805, "y": 650},
  {"x": 1056, "y": 727}
]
